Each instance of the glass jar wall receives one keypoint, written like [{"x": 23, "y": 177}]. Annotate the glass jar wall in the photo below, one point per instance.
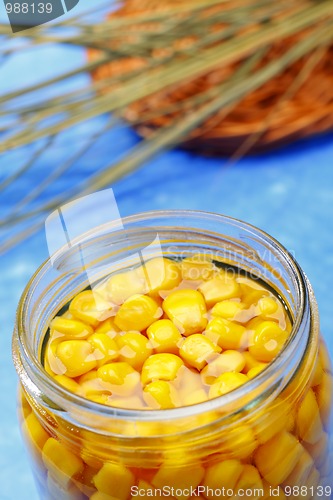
[{"x": 268, "y": 438}]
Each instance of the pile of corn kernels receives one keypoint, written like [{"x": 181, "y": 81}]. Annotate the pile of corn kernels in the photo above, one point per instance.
[{"x": 166, "y": 334}]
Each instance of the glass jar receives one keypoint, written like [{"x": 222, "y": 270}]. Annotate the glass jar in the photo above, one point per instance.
[{"x": 268, "y": 438}]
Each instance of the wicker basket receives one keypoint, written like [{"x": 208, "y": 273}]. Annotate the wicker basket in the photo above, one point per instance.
[{"x": 265, "y": 118}]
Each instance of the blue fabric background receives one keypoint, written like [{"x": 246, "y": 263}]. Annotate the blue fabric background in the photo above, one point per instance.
[{"x": 288, "y": 193}]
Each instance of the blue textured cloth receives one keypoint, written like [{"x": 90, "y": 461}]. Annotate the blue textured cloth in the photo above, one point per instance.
[{"x": 288, "y": 193}]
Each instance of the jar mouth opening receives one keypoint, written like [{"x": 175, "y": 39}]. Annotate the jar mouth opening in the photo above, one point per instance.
[{"x": 28, "y": 366}]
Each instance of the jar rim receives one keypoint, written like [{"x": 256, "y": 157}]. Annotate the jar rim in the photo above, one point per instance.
[{"x": 24, "y": 358}]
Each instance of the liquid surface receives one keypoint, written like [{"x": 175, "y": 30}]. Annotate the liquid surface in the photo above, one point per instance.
[{"x": 166, "y": 334}]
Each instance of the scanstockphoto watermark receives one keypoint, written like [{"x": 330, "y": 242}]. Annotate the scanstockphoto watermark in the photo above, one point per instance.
[{"x": 24, "y": 14}]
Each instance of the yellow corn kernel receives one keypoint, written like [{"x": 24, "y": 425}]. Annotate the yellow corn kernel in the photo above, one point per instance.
[
  {"x": 319, "y": 450},
  {"x": 267, "y": 306},
  {"x": 228, "y": 309},
  {"x": 301, "y": 471},
  {"x": 134, "y": 348},
  {"x": 225, "y": 383},
  {"x": 268, "y": 340},
  {"x": 226, "y": 334},
  {"x": 196, "y": 350},
  {"x": 228, "y": 361},
  {"x": 76, "y": 357},
  {"x": 256, "y": 370},
  {"x": 108, "y": 327},
  {"x": 161, "y": 395},
  {"x": 34, "y": 431},
  {"x": 164, "y": 336},
  {"x": 274, "y": 419},
  {"x": 61, "y": 462},
  {"x": 87, "y": 377},
  {"x": 115, "y": 480},
  {"x": 308, "y": 421},
  {"x": 71, "y": 329},
  {"x": 187, "y": 309},
  {"x": 121, "y": 377},
  {"x": 276, "y": 459},
  {"x": 249, "y": 481},
  {"x": 312, "y": 481},
  {"x": 195, "y": 397},
  {"x": 93, "y": 388},
  {"x": 160, "y": 367},
  {"x": 241, "y": 442},
  {"x": 181, "y": 478},
  {"x": 251, "y": 292},
  {"x": 23, "y": 404},
  {"x": 68, "y": 383},
  {"x": 90, "y": 307},
  {"x": 218, "y": 289},
  {"x": 324, "y": 393},
  {"x": 250, "y": 362},
  {"x": 198, "y": 267},
  {"x": 104, "y": 348},
  {"x": 160, "y": 274},
  {"x": 122, "y": 286},
  {"x": 59, "y": 491},
  {"x": 137, "y": 313},
  {"x": 222, "y": 475}
]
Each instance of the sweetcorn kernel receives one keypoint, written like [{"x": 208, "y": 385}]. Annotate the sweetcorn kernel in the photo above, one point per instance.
[
  {"x": 277, "y": 458},
  {"x": 228, "y": 361},
  {"x": 198, "y": 267},
  {"x": 164, "y": 336},
  {"x": 308, "y": 421},
  {"x": 324, "y": 393},
  {"x": 197, "y": 350},
  {"x": 187, "y": 309},
  {"x": 104, "y": 348},
  {"x": 182, "y": 479},
  {"x": 137, "y": 313},
  {"x": 268, "y": 340},
  {"x": 68, "y": 383},
  {"x": 122, "y": 286},
  {"x": 90, "y": 307},
  {"x": 217, "y": 289},
  {"x": 160, "y": 274},
  {"x": 256, "y": 370},
  {"x": 228, "y": 309},
  {"x": 134, "y": 348},
  {"x": 267, "y": 306},
  {"x": 301, "y": 471},
  {"x": 108, "y": 327},
  {"x": 115, "y": 480},
  {"x": 76, "y": 356},
  {"x": 121, "y": 377},
  {"x": 34, "y": 431},
  {"x": 225, "y": 383},
  {"x": 222, "y": 475},
  {"x": 161, "y": 367},
  {"x": 160, "y": 394},
  {"x": 70, "y": 329},
  {"x": 226, "y": 334},
  {"x": 249, "y": 481},
  {"x": 60, "y": 461},
  {"x": 250, "y": 362}
]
